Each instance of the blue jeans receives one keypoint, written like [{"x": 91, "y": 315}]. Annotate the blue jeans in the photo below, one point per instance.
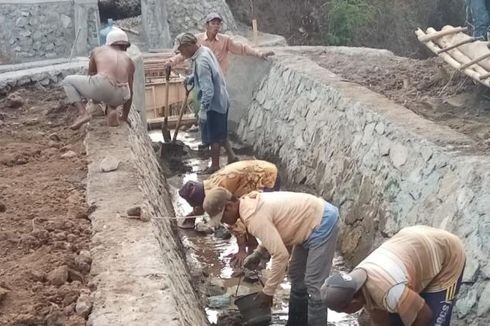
[{"x": 479, "y": 11}]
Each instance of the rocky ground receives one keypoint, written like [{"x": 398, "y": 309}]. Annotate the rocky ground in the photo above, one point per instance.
[
  {"x": 44, "y": 225},
  {"x": 429, "y": 88}
]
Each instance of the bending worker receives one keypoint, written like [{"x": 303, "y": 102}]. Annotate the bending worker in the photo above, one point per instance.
[
  {"x": 239, "y": 178},
  {"x": 411, "y": 279},
  {"x": 109, "y": 80},
  {"x": 281, "y": 220}
]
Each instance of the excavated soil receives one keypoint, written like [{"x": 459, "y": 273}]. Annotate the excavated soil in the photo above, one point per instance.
[
  {"x": 44, "y": 226},
  {"x": 429, "y": 88}
]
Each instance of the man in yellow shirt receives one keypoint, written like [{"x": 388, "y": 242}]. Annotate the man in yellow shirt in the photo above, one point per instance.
[
  {"x": 282, "y": 220},
  {"x": 411, "y": 279},
  {"x": 239, "y": 178}
]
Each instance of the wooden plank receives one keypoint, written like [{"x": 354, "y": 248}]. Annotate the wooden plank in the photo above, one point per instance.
[
  {"x": 156, "y": 123},
  {"x": 470, "y": 40}
]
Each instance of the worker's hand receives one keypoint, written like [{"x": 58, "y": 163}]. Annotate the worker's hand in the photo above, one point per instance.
[
  {"x": 263, "y": 300},
  {"x": 267, "y": 54},
  {"x": 252, "y": 261},
  {"x": 237, "y": 259}
]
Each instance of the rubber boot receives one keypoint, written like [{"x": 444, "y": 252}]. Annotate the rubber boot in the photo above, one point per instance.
[
  {"x": 298, "y": 309},
  {"x": 317, "y": 313}
]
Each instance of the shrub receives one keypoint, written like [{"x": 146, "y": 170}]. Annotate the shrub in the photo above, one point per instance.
[{"x": 346, "y": 18}]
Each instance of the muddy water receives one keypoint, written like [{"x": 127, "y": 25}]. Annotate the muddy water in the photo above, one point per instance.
[{"x": 209, "y": 256}]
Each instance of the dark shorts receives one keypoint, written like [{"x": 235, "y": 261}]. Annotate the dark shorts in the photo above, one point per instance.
[
  {"x": 441, "y": 303},
  {"x": 215, "y": 129}
]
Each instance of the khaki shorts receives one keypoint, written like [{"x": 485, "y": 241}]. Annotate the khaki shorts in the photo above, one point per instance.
[{"x": 98, "y": 88}]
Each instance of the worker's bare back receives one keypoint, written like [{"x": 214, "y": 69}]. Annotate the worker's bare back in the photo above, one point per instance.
[{"x": 113, "y": 63}]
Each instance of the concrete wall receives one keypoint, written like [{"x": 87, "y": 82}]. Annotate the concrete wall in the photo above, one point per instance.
[
  {"x": 384, "y": 166},
  {"x": 44, "y": 29}
]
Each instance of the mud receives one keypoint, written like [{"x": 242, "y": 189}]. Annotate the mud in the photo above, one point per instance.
[
  {"x": 209, "y": 257},
  {"x": 44, "y": 226},
  {"x": 430, "y": 88}
]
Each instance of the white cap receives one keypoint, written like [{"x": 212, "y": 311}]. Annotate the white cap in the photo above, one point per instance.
[{"x": 116, "y": 35}]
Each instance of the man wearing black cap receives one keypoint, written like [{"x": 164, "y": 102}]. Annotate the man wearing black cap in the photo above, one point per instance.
[
  {"x": 212, "y": 95},
  {"x": 411, "y": 279}
]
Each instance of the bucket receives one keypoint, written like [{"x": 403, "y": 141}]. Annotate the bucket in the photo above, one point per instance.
[{"x": 252, "y": 314}]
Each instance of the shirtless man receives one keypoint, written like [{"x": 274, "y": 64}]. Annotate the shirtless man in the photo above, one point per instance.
[{"x": 109, "y": 80}]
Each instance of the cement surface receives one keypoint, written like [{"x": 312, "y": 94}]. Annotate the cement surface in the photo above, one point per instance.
[{"x": 140, "y": 276}]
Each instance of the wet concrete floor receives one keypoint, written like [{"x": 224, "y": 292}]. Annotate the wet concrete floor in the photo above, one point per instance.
[{"x": 208, "y": 256}]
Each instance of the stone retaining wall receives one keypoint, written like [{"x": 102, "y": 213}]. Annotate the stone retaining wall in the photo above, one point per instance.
[
  {"x": 189, "y": 15},
  {"x": 44, "y": 29},
  {"x": 383, "y": 165}
]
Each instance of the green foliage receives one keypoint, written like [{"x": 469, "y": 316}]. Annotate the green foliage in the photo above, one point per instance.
[{"x": 346, "y": 18}]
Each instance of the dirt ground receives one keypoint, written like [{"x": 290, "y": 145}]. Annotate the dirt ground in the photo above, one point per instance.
[
  {"x": 44, "y": 226},
  {"x": 429, "y": 88}
]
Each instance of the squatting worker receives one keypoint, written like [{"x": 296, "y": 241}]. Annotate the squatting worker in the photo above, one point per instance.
[
  {"x": 411, "y": 279},
  {"x": 239, "y": 178},
  {"x": 109, "y": 80},
  {"x": 281, "y": 220},
  {"x": 213, "y": 96},
  {"x": 221, "y": 45}
]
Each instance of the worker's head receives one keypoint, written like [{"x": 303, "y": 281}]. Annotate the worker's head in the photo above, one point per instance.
[
  {"x": 339, "y": 290},
  {"x": 186, "y": 44},
  {"x": 117, "y": 38},
  {"x": 221, "y": 206},
  {"x": 193, "y": 193},
  {"x": 213, "y": 23}
]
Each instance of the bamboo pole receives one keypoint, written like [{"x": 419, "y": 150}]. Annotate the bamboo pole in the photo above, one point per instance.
[
  {"x": 429, "y": 37},
  {"x": 470, "y": 40},
  {"x": 472, "y": 62},
  {"x": 450, "y": 60}
]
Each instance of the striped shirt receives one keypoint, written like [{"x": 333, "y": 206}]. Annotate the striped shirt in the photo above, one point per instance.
[{"x": 417, "y": 259}]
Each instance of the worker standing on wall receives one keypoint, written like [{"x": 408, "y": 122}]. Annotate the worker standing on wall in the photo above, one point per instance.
[
  {"x": 411, "y": 279},
  {"x": 221, "y": 45},
  {"x": 109, "y": 80},
  {"x": 239, "y": 178},
  {"x": 282, "y": 220}
]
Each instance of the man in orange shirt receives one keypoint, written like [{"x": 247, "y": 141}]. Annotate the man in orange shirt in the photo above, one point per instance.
[
  {"x": 281, "y": 220},
  {"x": 411, "y": 279},
  {"x": 221, "y": 45}
]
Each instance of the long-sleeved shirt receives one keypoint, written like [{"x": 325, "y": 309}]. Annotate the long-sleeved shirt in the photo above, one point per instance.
[
  {"x": 211, "y": 86},
  {"x": 221, "y": 46},
  {"x": 280, "y": 220},
  {"x": 417, "y": 259}
]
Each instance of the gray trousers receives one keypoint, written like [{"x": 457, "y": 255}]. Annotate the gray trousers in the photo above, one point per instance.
[
  {"x": 98, "y": 88},
  {"x": 310, "y": 267}
]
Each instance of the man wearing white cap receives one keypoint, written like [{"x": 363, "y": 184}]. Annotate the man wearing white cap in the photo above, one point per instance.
[
  {"x": 109, "y": 80},
  {"x": 281, "y": 220}
]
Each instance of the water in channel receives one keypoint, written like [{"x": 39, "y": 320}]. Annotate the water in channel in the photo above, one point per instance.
[{"x": 210, "y": 255}]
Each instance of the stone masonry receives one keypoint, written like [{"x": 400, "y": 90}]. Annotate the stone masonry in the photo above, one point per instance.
[
  {"x": 383, "y": 165},
  {"x": 188, "y": 15},
  {"x": 46, "y": 29}
]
